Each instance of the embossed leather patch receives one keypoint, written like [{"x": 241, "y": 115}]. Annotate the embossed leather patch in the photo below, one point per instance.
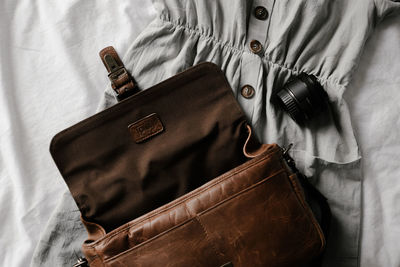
[{"x": 146, "y": 127}]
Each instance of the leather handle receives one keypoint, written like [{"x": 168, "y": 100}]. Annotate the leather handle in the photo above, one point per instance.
[{"x": 252, "y": 148}]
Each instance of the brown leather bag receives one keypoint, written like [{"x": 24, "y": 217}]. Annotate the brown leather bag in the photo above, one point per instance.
[
  {"x": 130, "y": 169},
  {"x": 253, "y": 215}
]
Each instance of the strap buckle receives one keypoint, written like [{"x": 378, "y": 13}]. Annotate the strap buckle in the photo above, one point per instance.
[
  {"x": 115, "y": 69},
  {"x": 113, "y": 76},
  {"x": 121, "y": 80}
]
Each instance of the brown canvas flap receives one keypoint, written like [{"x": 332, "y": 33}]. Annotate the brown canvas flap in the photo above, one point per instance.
[{"x": 152, "y": 147}]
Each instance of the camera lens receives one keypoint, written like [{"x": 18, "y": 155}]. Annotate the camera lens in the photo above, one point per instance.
[{"x": 302, "y": 97}]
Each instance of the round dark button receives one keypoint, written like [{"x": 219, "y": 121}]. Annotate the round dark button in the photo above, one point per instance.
[
  {"x": 261, "y": 13},
  {"x": 248, "y": 91},
  {"x": 255, "y": 46}
]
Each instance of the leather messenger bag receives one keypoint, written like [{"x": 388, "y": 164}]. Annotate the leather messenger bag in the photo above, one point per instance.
[
  {"x": 252, "y": 215},
  {"x": 172, "y": 176}
]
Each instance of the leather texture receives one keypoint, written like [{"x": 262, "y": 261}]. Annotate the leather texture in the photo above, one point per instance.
[
  {"x": 114, "y": 178},
  {"x": 252, "y": 215}
]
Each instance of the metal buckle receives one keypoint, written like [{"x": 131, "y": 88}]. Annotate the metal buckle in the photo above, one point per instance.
[
  {"x": 112, "y": 65},
  {"x": 116, "y": 73},
  {"x": 121, "y": 81},
  {"x": 82, "y": 262},
  {"x": 115, "y": 69},
  {"x": 289, "y": 160}
]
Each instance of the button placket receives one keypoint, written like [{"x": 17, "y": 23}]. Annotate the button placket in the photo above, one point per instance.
[
  {"x": 258, "y": 26},
  {"x": 252, "y": 64}
]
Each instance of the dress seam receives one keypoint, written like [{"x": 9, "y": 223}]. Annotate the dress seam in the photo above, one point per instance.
[
  {"x": 204, "y": 36},
  {"x": 237, "y": 50}
]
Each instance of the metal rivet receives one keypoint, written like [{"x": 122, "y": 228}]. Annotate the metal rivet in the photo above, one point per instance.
[
  {"x": 247, "y": 91},
  {"x": 255, "y": 46},
  {"x": 261, "y": 13}
]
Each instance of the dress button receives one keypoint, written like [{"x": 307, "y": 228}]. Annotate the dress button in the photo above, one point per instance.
[
  {"x": 255, "y": 46},
  {"x": 261, "y": 13},
  {"x": 248, "y": 91}
]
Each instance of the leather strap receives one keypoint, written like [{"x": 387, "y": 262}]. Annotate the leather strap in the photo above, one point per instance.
[
  {"x": 121, "y": 81},
  {"x": 252, "y": 148}
]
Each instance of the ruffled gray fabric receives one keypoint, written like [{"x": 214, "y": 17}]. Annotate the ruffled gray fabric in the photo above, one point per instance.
[{"x": 320, "y": 37}]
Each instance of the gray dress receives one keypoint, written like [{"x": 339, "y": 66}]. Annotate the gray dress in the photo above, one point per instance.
[{"x": 320, "y": 37}]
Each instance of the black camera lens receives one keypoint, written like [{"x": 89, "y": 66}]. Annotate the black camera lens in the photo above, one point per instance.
[{"x": 302, "y": 97}]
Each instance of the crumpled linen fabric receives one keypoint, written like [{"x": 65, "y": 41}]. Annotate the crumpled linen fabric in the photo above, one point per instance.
[{"x": 320, "y": 37}]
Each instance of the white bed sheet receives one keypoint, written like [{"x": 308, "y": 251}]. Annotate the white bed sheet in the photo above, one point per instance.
[{"x": 51, "y": 77}]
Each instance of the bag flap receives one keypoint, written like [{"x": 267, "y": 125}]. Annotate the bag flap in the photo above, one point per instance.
[{"x": 152, "y": 147}]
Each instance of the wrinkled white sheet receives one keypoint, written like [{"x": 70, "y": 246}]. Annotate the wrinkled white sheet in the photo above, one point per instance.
[{"x": 51, "y": 77}]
